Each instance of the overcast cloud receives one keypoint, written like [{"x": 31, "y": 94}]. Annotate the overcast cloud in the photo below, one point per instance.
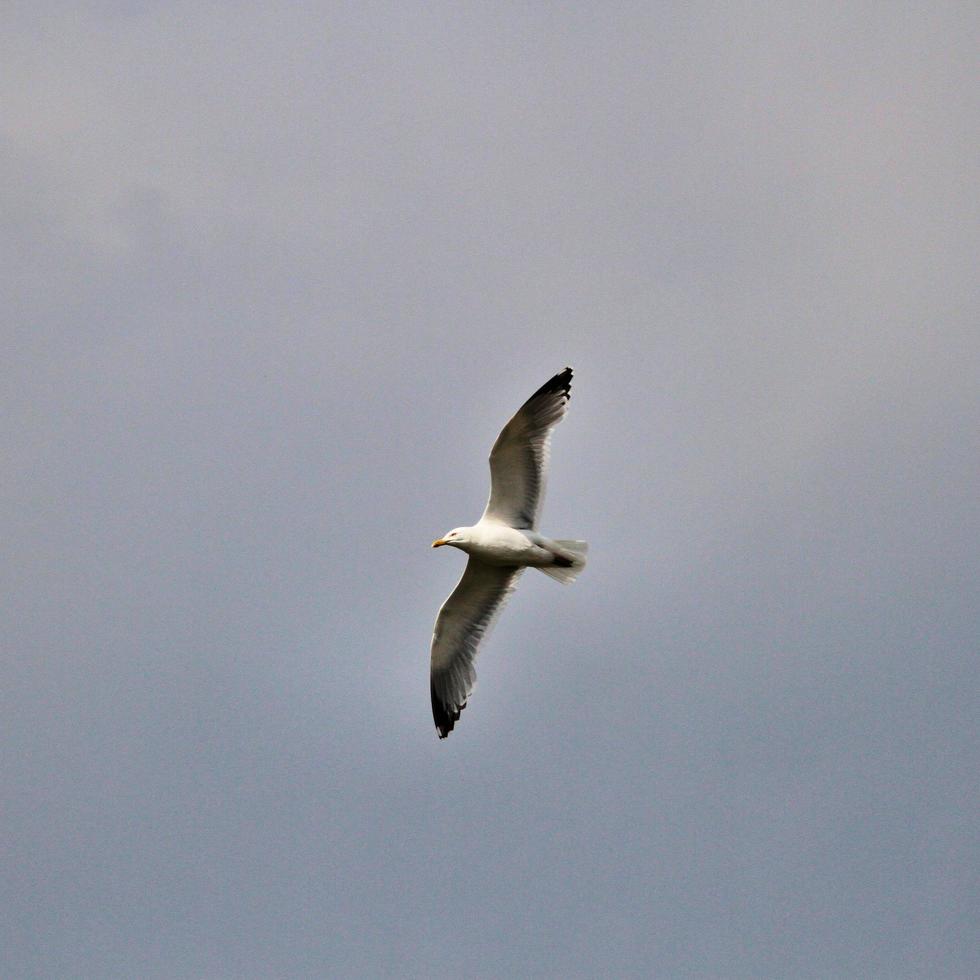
[{"x": 273, "y": 277}]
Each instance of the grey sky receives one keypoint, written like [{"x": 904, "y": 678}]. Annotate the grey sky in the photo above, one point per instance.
[{"x": 275, "y": 274}]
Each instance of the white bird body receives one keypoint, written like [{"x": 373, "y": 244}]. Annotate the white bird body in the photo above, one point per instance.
[{"x": 500, "y": 546}]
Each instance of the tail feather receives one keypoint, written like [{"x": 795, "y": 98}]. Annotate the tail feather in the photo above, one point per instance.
[{"x": 570, "y": 557}]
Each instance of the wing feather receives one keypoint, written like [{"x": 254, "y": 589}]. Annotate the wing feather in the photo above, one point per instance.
[
  {"x": 519, "y": 458},
  {"x": 463, "y": 621}
]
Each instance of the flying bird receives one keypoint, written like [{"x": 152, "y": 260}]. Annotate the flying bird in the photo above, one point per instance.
[{"x": 500, "y": 546}]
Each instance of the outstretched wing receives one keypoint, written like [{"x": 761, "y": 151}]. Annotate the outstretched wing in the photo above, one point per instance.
[
  {"x": 464, "y": 619},
  {"x": 519, "y": 458}
]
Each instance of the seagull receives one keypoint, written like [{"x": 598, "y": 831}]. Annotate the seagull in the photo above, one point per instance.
[{"x": 500, "y": 546}]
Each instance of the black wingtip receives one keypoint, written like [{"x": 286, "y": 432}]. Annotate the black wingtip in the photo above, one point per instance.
[
  {"x": 444, "y": 718},
  {"x": 561, "y": 383}
]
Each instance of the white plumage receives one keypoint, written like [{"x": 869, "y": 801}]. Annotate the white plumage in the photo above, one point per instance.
[{"x": 500, "y": 546}]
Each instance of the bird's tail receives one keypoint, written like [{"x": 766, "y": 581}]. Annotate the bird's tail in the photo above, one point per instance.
[{"x": 569, "y": 561}]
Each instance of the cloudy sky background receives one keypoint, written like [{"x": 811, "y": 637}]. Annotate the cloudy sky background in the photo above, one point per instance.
[{"x": 273, "y": 277}]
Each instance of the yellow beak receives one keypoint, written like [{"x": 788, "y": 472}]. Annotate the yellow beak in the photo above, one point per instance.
[{"x": 439, "y": 542}]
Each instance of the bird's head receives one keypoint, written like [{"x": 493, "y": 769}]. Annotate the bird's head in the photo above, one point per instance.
[{"x": 456, "y": 537}]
